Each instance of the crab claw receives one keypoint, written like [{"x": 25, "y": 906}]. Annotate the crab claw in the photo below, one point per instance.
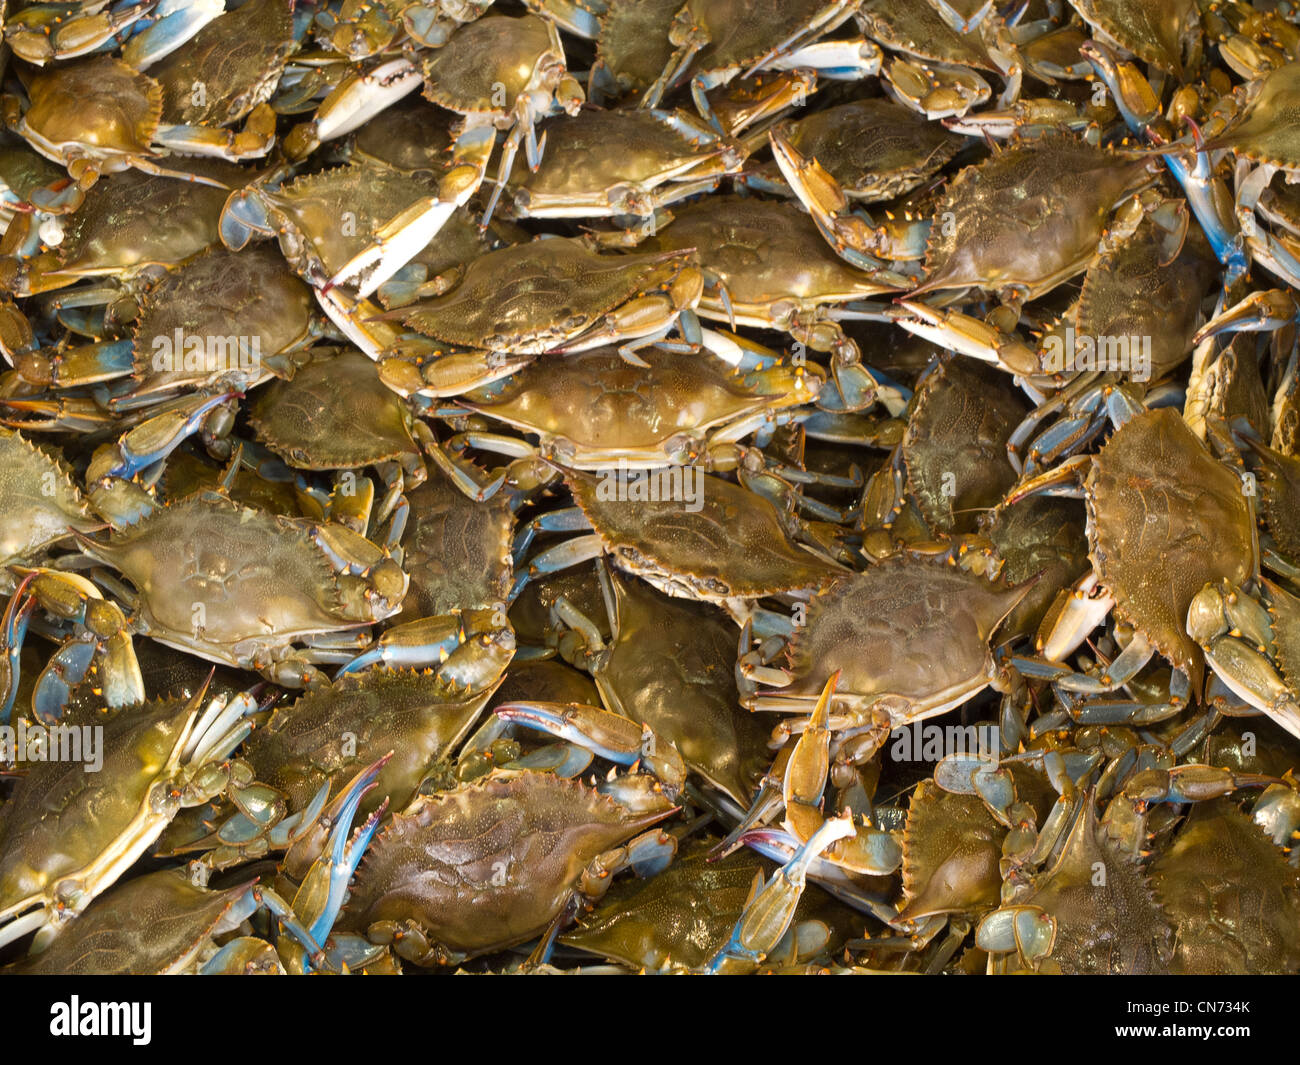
[
  {"x": 611, "y": 736},
  {"x": 771, "y": 907},
  {"x": 318, "y": 901},
  {"x": 16, "y": 616},
  {"x": 153, "y": 440},
  {"x": 967, "y": 335},
  {"x": 1260, "y": 312}
]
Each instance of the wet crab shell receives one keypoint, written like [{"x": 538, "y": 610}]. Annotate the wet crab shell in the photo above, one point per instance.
[
  {"x": 672, "y": 668},
  {"x": 65, "y": 821},
  {"x": 1267, "y": 132},
  {"x": 365, "y": 194},
  {"x": 875, "y": 149},
  {"x": 101, "y": 103},
  {"x": 261, "y": 580},
  {"x": 1044, "y": 537},
  {"x": 221, "y": 317},
  {"x": 592, "y": 407},
  {"x": 918, "y": 30},
  {"x": 134, "y": 221},
  {"x": 486, "y": 64},
  {"x": 39, "y": 500},
  {"x": 333, "y": 733},
  {"x": 1153, "y": 30},
  {"x": 530, "y": 298},
  {"x": 456, "y": 550},
  {"x": 633, "y": 44},
  {"x": 910, "y": 637},
  {"x": 1164, "y": 520},
  {"x": 1234, "y": 900},
  {"x": 237, "y": 59},
  {"x": 1133, "y": 292},
  {"x": 734, "y": 545},
  {"x": 1108, "y": 920},
  {"x": 741, "y": 32},
  {"x": 595, "y": 152},
  {"x": 1028, "y": 217},
  {"x": 765, "y": 255},
  {"x": 333, "y": 414},
  {"x": 151, "y": 925},
  {"x": 955, "y": 446},
  {"x": 490, "y": 864},
  {"x": 679, "y": 919}
]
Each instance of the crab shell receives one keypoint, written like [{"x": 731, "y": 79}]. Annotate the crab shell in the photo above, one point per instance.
[
  {"x": 672, "y": 668},
  {"x": 764, "y": 260},
  {"x": 494, "y": 53},
  {"x": 68, "y": 832},
  {"x": 917, "y": 29},
  {"x": 456, "y": 550},
  {"x": 237, "y": 58},
  {"x": 1153, "y": 30},
  {"x": 234, "y": 315},
  {"x": 488, "y": 865},
  {"x": 1028, "y": 217},
  {"x": 545, "y": 295},
  {"x": 1267, "y": 131},
  {"x": 1132, "y": 291},
  {"x": 633, "y": 44},
  {"x": 1108, "y": 921},
  {"x": 1039, "y": 536},
  {"x": 1234, "y": 900},
  {"x": 411, "y": 135},
  {"x": 262, "y": 582},
  {"x": 909, "y": 637},
  {"x": 365, "y": 194},
  {"x": 594, "y": 408},
  {"x": 334, "y": 414},
  {"x": 39, "y": 500},
  {"x": 413, "y": 715},
  {"x": 98, "y": 107},
  {"x": 594, "y": 155},
  {"x": 955, "y": 445},
  {"x": 875, "y": 149},
  {"x": 153, "y": 925},
  {"x": 951, "y": 850},
  {"x": 733, "y": 546},
  {"x": 741, "y": 32},
  {"x": 135, "y": 221},
  {"x": 1279, "y": 495},
  {"x": 676, "y": 921},
  {"x": 1164, "y": 520}
]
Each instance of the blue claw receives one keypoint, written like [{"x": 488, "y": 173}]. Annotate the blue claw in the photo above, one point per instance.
[
  {"x": 770, "y": 909},
  {"x": 1139, "y": 108},
  {"x": 345, "y": 855},
  {"x": 66, "y": 669},
  {"x": 610, "y": 736},
  {"x": 169, "y": 430},
  {"x": 17, "y": 614}
]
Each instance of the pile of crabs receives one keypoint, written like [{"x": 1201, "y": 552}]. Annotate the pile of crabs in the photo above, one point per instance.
[{"x": 553, "y": 485}]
